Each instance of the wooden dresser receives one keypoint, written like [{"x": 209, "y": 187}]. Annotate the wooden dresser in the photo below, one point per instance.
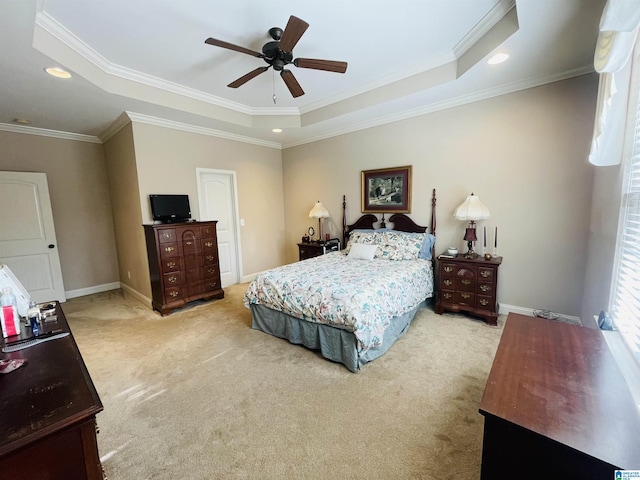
[
  {"x": 468, "y": 285},
  {"x": 48, "y": 412},
  {"x": 183, "y": 263},
  {"x": 556, "y": 406}
]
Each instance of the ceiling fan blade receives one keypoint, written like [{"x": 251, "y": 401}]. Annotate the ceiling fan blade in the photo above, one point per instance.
[
  {"x": 292, "y": 33},
  {"x": 231, "y": 46},
  {"x": 245, "y": 78},
  {"x": 327, "y": 65},
  {"x": 292, "y": 84}
]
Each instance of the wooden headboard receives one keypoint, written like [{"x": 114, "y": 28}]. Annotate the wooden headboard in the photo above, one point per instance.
[{"x": 400, "y": 221}]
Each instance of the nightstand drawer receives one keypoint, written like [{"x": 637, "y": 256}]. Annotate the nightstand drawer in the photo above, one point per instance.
[{"x": 465, "y": 298}]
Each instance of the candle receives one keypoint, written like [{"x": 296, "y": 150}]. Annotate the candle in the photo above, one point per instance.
[
  {"x": 495, "y": 245},
  {"x": 485, "y": 236}
]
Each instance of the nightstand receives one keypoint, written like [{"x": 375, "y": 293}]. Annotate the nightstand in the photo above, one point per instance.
[
  {"x": 315, "y": 249},
  {"x": 468, "y": 285}
]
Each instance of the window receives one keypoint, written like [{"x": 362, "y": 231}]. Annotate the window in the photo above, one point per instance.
[{"x": 625, "y": 298}]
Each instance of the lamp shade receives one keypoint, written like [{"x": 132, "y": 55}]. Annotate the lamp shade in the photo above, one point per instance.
[
  {"x": 472, "y": 209},
  {"x": 318, "y": 211}
]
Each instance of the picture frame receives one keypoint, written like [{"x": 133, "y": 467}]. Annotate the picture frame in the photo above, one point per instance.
[{"x": 386, "y": 190}]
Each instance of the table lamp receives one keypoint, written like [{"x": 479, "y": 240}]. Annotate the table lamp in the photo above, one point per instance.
[
  {"x": 472, "y": 209},
  {"x": 318, "y": 211}
]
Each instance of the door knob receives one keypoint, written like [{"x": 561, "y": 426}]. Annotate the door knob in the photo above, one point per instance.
[{"x": 51, "y": 245}]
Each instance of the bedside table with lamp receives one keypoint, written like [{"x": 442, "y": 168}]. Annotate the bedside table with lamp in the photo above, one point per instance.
[{"x": 468, "y": 282}]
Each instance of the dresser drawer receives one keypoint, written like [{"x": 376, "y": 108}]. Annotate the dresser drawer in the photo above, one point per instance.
[
  {"x": 486, "y": 273},
  {"x": 171, "y": 264},
  {"x": 191, "y": 246},
  {"x": 191, "y": 261},
  {"x": 211, "y": 271},
  {"x": 167, "y": 235},
  {"x": 209, "y": 247},
  {"x": 210, "y": 258},
  {"x": 169, "y": 250},
  {"x": 172, "y": 279},
  {"x": 212, "y": 284},
  {"x": 208, "y": 231},
  {"x": 486, "y": 288},
  {"x": 173, "y": 294},
  {"x": 465, "y": 298},
  {"x": 447, "y": 269},
  {"x": 487, "y": 303}
]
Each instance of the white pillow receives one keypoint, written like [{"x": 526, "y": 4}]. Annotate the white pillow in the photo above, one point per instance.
[{"x": 360, "y": 251}]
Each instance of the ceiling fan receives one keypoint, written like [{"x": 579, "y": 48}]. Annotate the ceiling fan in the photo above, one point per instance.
[{"x": 279, "y": 53}]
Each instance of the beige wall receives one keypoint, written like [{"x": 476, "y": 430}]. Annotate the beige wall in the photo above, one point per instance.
[
  {"x": 80, "y": 199},
  {"x": 127, "y": 213},
  {"x": 524, "y": 154},
  {"x": 166, "y": 162}
]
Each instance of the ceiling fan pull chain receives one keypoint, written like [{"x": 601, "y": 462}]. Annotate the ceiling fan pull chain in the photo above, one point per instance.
[{"x": 273, "y": 77}]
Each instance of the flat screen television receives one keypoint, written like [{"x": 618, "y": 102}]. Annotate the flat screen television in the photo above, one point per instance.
[{"x": 170, "y": 208}]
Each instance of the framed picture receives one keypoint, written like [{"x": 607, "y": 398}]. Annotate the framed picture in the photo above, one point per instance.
[{"x": 386, "y": 190}]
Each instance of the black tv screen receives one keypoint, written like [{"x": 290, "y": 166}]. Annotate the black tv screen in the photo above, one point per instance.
[{"x": 170, "y": 208}]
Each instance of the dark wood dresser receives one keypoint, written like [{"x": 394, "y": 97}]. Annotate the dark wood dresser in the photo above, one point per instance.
[
  {"x": 183, "y": 263},
  {"x": 468, "y": 285},
  {"x": 556, "y": 406},
  {"x": 48, "y": 413}
]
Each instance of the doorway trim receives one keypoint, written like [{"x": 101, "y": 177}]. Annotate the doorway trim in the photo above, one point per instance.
[{"x": 234, "y": 202}]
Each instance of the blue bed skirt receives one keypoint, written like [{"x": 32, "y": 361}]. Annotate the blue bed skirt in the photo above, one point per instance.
[{"x": 333, "y": 343}]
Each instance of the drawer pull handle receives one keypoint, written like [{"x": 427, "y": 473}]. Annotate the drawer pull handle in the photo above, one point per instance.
[
  {"x": 173, "y": 279},
  {"x": 448, "y": 269},
  {"x": 174, "y": 294},
  {"x": 166, "y": 236},
  {"x": 168, "y": 249},
  {"x": 211, "y": 258},
  {"x": 189, "y": 242},
  {"x": 466, "y": 296},
  {"x": 466, "y": 282},
  {"x": 485, "y": 288},
  {"x": 484, "y": 302},
  {"x": 209, "y": 244},
  {"x": 447, "y": 296},
  {"x": 212, "y": 270},
  {"x": 485, "y": 273},
  {"x": 448, "y": 282},
  {"x": 171, "y": 264}
]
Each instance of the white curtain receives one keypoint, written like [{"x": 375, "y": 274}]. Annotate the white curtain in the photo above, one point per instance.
[{"x": 616, "y": 40}]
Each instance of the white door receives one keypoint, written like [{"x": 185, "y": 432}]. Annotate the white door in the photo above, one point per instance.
[
  {"x": 218, "y": 201},
  {"x": 27, "y": 238}
]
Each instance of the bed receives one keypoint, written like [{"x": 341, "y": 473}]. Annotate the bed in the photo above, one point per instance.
[{"x": 350, "y": 305}]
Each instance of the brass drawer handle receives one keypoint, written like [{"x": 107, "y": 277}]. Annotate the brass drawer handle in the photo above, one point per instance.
[
  {"x": 171, "y": 264},
  {"x": 166, "y": 236},
  {"x": 447, "y": 282},
  {"x": 211, "y": 258},
  {"x": 447, "y": 296},
  {"x": 209, "y": 244},
  {"x": 466, "y": 282},
  {"x": 168, "y": 249},
  {"x": 485, "y": 273},
  {"x": 448, "y": 268},
  {"x": 173, "y": 279},
  {"x": 466, "y": 296},
  {"x": 485, "y": 288},
  {"x": 212, "y": 270},
  {"x": 174, "y": 294},
  {"x": 484, "y": 302},
  {"x": 189, "y": 242}
]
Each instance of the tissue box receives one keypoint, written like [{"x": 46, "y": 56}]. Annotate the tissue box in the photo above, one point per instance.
[{"x": 8, "y": 279}]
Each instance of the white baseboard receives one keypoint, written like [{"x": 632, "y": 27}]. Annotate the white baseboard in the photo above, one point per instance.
[
  {"x": 505, "y": 309},
  {"x": 137, "y": 295},
  {"x": 81, "y": 292}
]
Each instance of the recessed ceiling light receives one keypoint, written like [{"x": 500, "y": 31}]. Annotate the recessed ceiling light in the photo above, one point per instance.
[
  {"x": 57, "y": 72},
  {"x": 22, "y": 121},
  {"x": 498, "y": 58},
  {"x": 277, "y": 130}
]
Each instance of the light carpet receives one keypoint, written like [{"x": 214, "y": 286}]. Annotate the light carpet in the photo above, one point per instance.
[{"x": 198, "y": 394}]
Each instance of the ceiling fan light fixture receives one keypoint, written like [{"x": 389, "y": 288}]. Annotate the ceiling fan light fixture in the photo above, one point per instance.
[
  {"x": 57, "y": 72},
  {"x": 498, "y": 58}
]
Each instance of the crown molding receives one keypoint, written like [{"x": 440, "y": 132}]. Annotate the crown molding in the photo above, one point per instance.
[
  {"x": 43, "y": 132},
  {"x": 185, "y": 127},
  {"x": 505, "y": 89},
  {"x": 491, "y": 19}
]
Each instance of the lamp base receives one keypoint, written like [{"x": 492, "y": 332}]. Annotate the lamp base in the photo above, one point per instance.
[{"x": 471, "y": 253}]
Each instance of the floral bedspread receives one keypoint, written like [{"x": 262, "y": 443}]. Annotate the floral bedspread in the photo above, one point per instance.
[{"x": 358, "y": 295}]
